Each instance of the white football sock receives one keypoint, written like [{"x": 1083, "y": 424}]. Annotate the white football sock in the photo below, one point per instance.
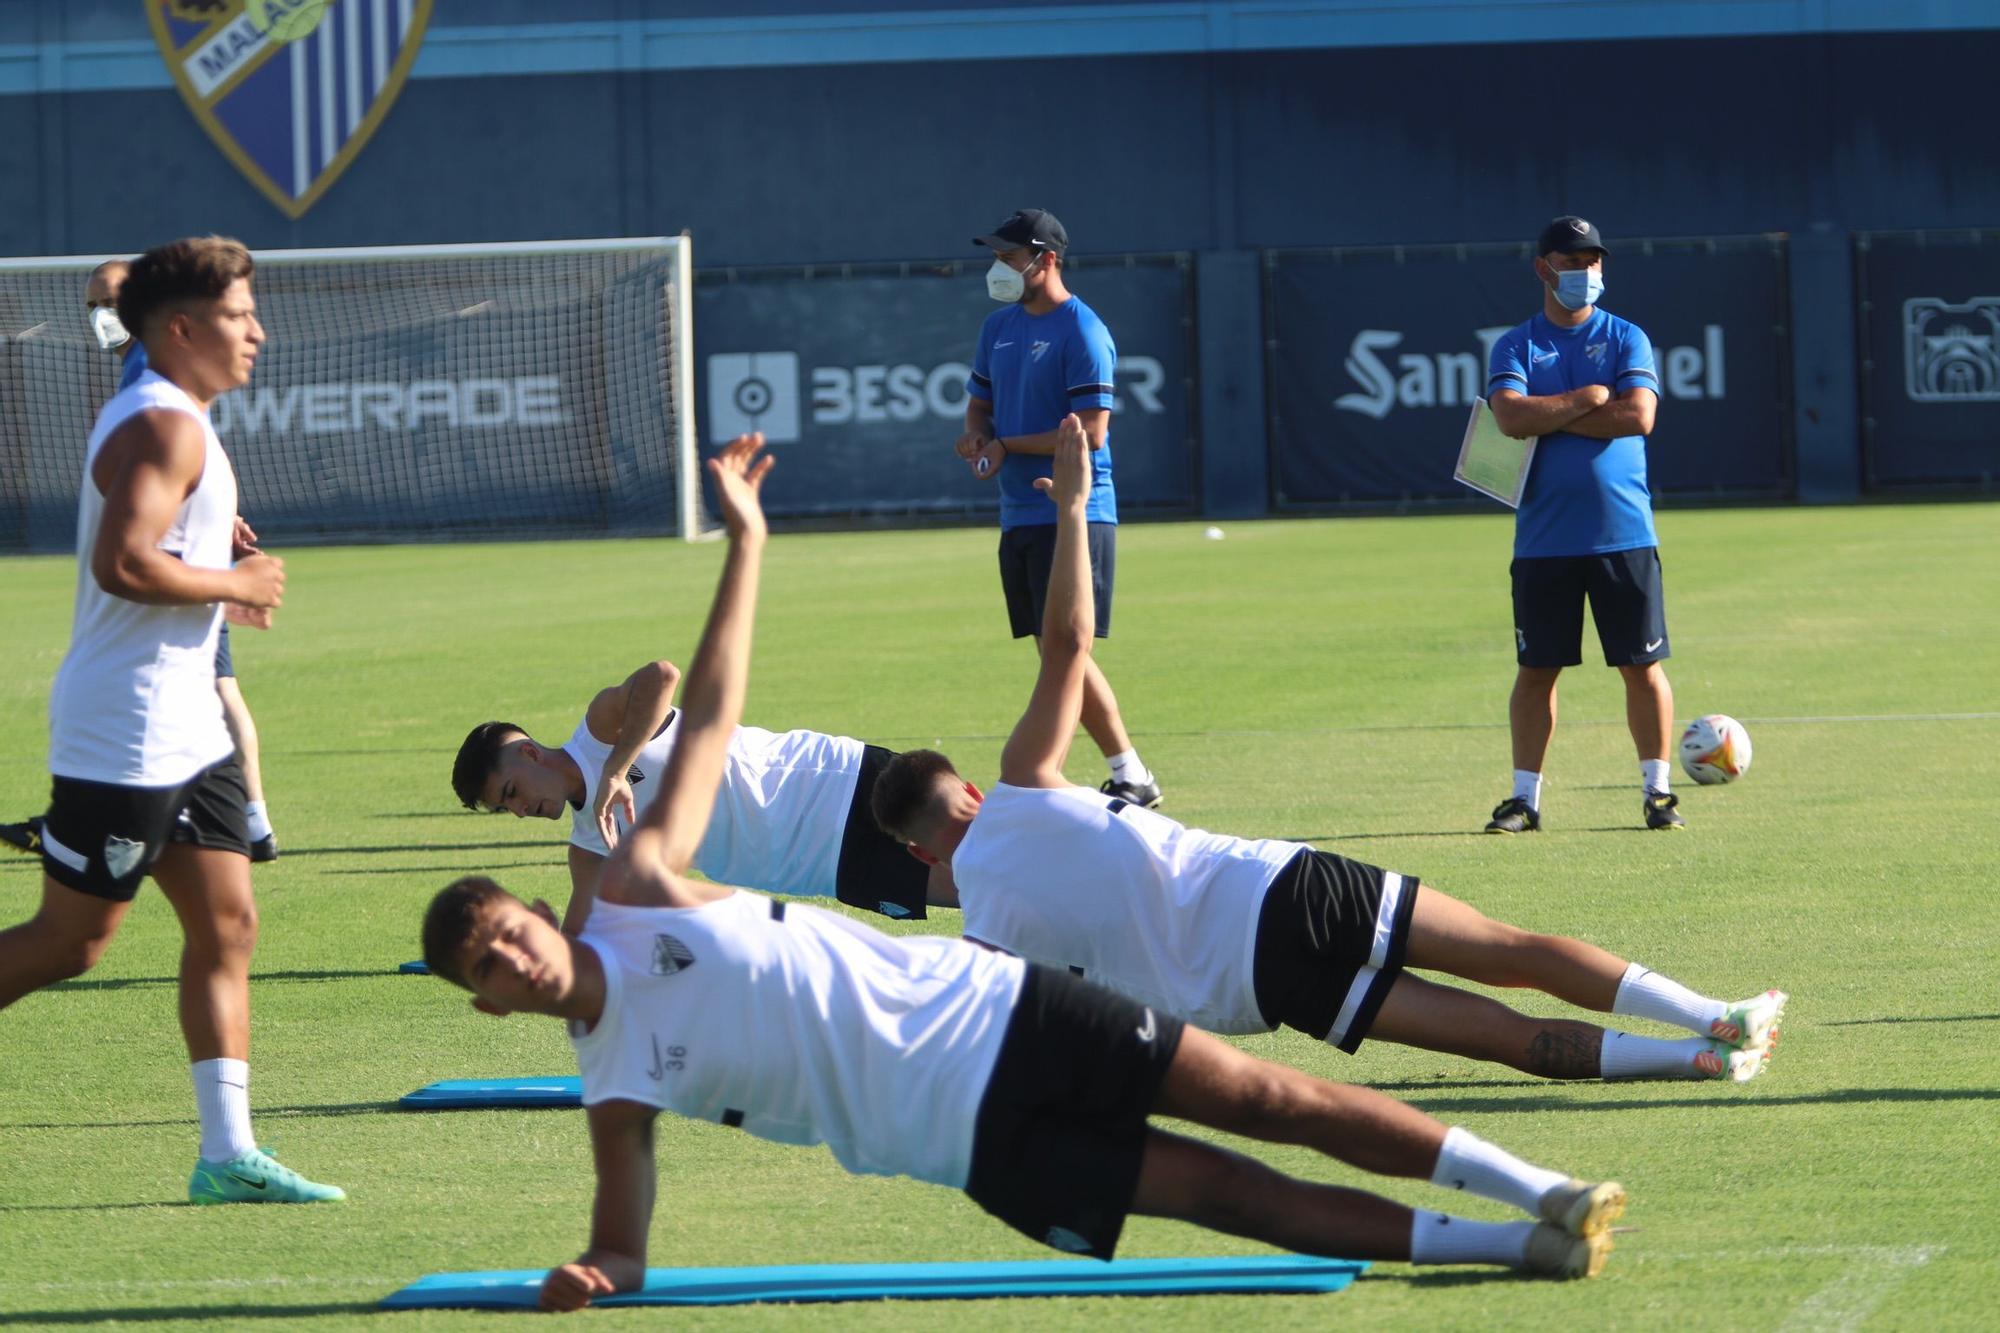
[
  {"x": 260, "y": 822},
  {"x": 1528, "y": 787},
  {"x": 1440, "y": 1238},
  {"x": 222, "y": 1096},
  {"x": 1468, "y": 1162},
  {"x": 1643, "y": 993},
  {"x": 1125, "y": 767},
  {"x": 1627, "y": 1056},
  {"x": 1656, "y": 774}
]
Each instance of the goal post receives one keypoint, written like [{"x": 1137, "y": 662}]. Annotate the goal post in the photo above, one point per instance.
[{"x": 404, "y": 393}]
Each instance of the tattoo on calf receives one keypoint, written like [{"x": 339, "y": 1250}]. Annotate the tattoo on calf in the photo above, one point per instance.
[{"x": 1564, "y": 1053}]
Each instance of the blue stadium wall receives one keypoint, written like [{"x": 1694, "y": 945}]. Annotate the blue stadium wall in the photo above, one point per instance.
[{"x": 1241, "y": 138}]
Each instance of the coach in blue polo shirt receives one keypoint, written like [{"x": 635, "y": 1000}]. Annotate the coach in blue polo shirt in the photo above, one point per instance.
[
  {"x": 1043, "y": 356},
  {"x": 1583, "y": 381}
]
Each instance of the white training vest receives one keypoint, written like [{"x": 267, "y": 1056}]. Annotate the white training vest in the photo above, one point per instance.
[
  {"x": 779, "y": 814},
  {"x": 134, "y": 702},
  {"x": 1071, "y": 877},
  {"x": 809, "y": 1028}
]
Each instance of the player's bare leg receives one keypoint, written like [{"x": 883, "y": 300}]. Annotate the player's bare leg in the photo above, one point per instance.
[
  {"x": 1649, "y": 709},
  {"x": 1443, "y": 1018},
  {"x": 63, "y": 939},
  {"x": 1212, "y": 1083},
  {"x": 1531, "y": 715},
  {"x": 1225, "y": 1191},
  {"x": 1101, "y": 719},
  {"x": 1447, "y": 935},
  {"x": 242, "y": 730},
  {"x": 210, "y": 893}
]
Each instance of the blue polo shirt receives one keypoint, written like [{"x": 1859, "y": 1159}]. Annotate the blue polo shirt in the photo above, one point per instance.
[
  {"x": 135, "y": 366},
  {"x": 1035, "y": 370},
  {"x": 1584, "y": 496}
]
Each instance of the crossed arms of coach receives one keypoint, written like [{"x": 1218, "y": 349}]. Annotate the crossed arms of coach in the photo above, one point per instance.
[{"x": 1588, "y": 410}]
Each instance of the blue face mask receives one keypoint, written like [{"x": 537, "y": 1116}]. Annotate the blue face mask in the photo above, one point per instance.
[{"x": 1577, "y": 288}]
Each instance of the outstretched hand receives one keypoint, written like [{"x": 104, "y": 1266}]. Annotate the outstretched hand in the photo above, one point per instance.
[
  {"x": 1071, "y": 483},
  {"x": 738, "y": 474}
]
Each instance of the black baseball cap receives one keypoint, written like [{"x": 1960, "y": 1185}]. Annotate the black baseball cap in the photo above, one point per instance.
[
  {"x": 1029, "y": 229},
  {"x": 1569, "y": 234}
]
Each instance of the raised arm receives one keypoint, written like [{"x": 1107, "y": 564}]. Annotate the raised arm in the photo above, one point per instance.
[
  {"x": 646, "y": 866},
  {"x": 1035, "y": 752},
  {"x": 627, "y": 715},
  {"x": 621, "y": 1146}
]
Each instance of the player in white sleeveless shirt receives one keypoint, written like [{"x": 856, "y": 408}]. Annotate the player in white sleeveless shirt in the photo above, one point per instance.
[
  {"x": 791, "y": 817},
  {"x": 144, "y": 781},
  {"x": 1244, "y": 935},
  {"x": 932, "y": 1058}
]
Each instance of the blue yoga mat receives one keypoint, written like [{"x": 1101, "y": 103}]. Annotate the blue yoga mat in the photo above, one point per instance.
[
  {"x": 460, "y": 1094},
  {"x": 417, "y": 969},
  {"x": 518, "y": 1288}
]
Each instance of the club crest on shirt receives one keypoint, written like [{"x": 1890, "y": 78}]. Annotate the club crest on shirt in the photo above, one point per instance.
[
  {"x": 1596, "y": 351},
  {"x": 122, "y": 855},
  {"x": 670, "y": 955},
  {"x": 1036, "y": 348},
  {"x": 634, "y": 776}
]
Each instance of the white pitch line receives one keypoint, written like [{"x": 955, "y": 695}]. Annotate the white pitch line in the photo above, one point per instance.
[{"x": 1847, "y": 1301}]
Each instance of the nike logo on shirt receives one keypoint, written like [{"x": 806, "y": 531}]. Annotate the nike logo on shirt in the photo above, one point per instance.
[{"x": 1008, "y": 343}]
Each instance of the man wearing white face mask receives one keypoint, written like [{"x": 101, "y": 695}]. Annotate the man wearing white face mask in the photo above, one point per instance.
[
  {"x": 100, "y": 305},
  {"x": 1584, "y": 382},
  {"x": 1042, "y": 357}
]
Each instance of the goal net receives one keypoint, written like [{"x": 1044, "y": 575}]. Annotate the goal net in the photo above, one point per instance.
[{"x": 404, "y": 393}]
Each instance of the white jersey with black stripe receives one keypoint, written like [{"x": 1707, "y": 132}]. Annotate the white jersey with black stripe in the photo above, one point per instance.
[
  {"x": 779, "y": 815},
  {"x": 800, "y": 1026},
  {"x": 134, "y": 702},
  {"x": 1070, "y": 877}
]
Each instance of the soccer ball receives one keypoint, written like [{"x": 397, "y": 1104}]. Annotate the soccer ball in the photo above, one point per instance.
[{"x": 1715, "y": 749}]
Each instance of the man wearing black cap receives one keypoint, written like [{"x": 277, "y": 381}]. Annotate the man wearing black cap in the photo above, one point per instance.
[
  {"x": 1583, "y": 381},
  {"x": 1042, "y": 357}
]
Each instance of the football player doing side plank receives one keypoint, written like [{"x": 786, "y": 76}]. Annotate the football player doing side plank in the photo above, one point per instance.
[
  {"x": 791, "y": 816},
  {"x": 1239, "y": 935},
  {"x": 1026, "y": 1087}
]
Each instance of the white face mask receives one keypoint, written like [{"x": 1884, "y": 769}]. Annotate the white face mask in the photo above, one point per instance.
[
  {"x": 105, "y": 326},
  {"x": 1005, "y": 284}
]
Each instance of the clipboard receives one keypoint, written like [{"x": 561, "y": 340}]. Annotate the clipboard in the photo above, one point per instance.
[{"x": 1490, "y": 462}]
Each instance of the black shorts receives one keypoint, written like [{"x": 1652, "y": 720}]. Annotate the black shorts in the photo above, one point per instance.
[
  {"x": 875, "y": 874},
  {"x": 101, "y": 838},
  {"x": 1026, "y": 557},
  {"x": 1062, "y": 1129},
  {"x": 1626, "y": 600},
  {"x": 1330, "y": 942},
  {"x": 224, "y": 664}
]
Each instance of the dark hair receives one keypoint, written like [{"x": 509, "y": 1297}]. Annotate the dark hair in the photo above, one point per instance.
[
  {"x": 477, "y": 759},
  {"x": 198, "y": 268},
  {"x": 449, "y": 921},
  {"x": 906, "y": 789}
]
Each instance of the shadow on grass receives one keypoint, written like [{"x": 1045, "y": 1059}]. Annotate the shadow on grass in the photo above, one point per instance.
[
  {"x": 514, "y": 845},
  {"x": 1458, "y": 1277},
  {"x": 125, "y": 983},
  {"x": 263, "y": 1113},
  {"x": 154, "y": 1314},
  {"x": 1914, "y": 1018},
  {"x": 1719, "y": 1100}
]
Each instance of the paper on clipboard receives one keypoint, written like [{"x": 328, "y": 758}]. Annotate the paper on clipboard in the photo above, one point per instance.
[{"x": 1490, "y": 462}]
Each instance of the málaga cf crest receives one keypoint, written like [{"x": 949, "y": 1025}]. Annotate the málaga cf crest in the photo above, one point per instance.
[{"x": 290, "y": 89}]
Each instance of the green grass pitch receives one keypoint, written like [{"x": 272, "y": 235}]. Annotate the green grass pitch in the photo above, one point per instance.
[{"x": 1340, "y": 682}]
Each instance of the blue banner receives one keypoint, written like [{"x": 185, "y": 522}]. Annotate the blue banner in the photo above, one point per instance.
[
  {"x": 856, "y": 376},
  {"x": 1930, "y": 359},
  {"x": 1376, "y": 355}
]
